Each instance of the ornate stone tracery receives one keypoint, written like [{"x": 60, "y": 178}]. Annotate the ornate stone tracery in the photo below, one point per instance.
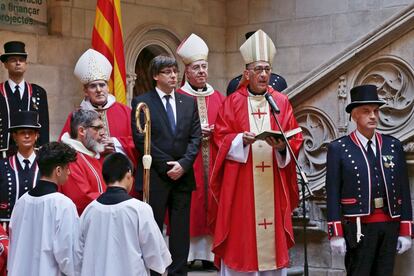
[
  {"x": 395, "y": 81},
  {"x": 318, "y": 131},
  {"x": 342, "y": 98}
]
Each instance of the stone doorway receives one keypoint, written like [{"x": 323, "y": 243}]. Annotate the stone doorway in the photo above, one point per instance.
[{"x": 141, "y": 46}]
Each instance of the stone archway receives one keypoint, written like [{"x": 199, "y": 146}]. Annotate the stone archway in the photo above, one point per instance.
[{"x": 144, "y": 43}]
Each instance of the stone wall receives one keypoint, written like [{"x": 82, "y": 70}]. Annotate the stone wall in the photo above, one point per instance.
[
  {"x": 383, "y": 57},
  {"x": 52, "y": 56},
  {"x": 306, "y": 32}
]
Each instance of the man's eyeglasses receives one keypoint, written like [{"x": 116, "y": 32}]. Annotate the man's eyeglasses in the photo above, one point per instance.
[
  {"x": 198, "y": 67},
  {"x": 96, "y": 128},
  {"x": 169, "y": 72},
  {"x": 95, "y": 85},
  {"x": 259, "y": 69}
]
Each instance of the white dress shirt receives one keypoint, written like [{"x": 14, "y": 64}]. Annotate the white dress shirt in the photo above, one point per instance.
[
  {"x": 364, "y": 141},
  {"x": 31, "y": 159},
  {"x": 12, "y": 85},
  {"x": 164, "y": 101}
]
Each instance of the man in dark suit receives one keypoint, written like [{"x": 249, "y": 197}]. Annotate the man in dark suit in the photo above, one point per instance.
[
  {"x": 175, "y": 141},
  {"x": 368, "y": 194},
  {"x": 16, "y": 95}
]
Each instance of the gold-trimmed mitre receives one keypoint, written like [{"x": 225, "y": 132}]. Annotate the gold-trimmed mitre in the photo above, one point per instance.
[
  {"x": 92, "y": 66},
  {"x": 192, "y": 49},
  {"x": 259, "y": 47}
]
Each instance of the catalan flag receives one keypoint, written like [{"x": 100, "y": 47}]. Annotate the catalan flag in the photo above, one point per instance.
[{"x": 107, "y": 39}]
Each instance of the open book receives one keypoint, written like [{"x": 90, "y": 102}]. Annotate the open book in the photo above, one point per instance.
[{"x": 277, "y": 134}]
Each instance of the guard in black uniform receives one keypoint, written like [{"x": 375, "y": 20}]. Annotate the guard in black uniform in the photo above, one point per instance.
[
  {"x": 19, "y": 172},
  {"x": 16, "y": 95},
  {"x": 368, "y": 195}
]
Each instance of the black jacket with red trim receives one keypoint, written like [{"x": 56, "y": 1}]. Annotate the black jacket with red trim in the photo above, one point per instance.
[
  {"x": 348, "y": 182},
  {"x": 37, "y": 102}
]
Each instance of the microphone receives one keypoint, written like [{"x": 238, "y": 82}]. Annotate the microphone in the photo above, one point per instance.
[{"x": 272, "y": 103}]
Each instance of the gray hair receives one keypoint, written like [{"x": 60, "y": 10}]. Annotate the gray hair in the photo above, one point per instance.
[{"x": 81, "y": 117}]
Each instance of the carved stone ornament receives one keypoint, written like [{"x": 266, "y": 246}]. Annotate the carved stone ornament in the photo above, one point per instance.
[
  {"x": 395, "y": 81},
  {"x": 409, "y": 147},
  {"x": 342, "y": 102},
  {"x": 318, "y": 131}
]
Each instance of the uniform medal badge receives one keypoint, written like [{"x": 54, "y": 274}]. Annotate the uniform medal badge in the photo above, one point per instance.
[{"x": 388, "y": 161}]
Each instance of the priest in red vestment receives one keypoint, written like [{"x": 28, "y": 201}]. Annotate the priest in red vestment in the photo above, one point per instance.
[
  {"x": 85, "y": 182},
  {"x": 253, "y": 182},
  {"x": 94, "y": 70},
  {"x": 194, "y": 52}
]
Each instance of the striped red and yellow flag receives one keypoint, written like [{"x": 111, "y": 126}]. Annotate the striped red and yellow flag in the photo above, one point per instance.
[{"x": 107, "y": 39}]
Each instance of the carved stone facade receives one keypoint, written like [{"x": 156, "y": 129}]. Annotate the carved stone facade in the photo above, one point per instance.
[
  {"x": 394, "y": 78},
  {"x": 318, "y": 131},
  {"x": 383, "y": 58}
]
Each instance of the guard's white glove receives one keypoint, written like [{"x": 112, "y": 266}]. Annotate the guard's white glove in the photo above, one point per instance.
[
  {"x": 338, "y": 246},
  {"x": 403, "y": 244}
]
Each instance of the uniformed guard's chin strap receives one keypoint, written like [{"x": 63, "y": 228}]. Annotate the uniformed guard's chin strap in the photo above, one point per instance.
[{"x": 359, "y": 233}]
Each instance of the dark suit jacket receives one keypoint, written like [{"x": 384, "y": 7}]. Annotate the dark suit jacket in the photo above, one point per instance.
[
  {"x": 38, "y": 103},
  {"x": 348, "y": 179},
  {"x": 182, "y": 147},
  {"x": 8, "y": 184}
]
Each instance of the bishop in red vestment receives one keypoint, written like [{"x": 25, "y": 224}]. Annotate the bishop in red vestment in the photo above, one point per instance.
[
  {"x": 253, "y": 183},
  {"x": 194, "y": 53},
  {"x": 116, "y": 116}
]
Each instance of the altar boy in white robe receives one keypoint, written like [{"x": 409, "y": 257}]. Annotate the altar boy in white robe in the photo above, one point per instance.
[
  {"x": 44, "y": 223},
  {"x": 118, "y": 233}
]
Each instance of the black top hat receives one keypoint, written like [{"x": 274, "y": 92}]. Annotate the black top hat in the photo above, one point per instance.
[
  {"x": 13, "y": 48},
  {"x": 363, "y": 94},
  {"x": 25, "y": 119}
]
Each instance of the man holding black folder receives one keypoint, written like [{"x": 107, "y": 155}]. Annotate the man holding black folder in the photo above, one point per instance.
[{"x": 253, "y": 183}]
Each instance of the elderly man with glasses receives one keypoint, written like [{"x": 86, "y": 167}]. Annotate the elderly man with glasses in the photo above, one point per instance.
[
  {"x": 253, "y": 182},
  {"x": 85, "y": 182},
  {"x": 94, "y": 71},
  {"x": 194, "y": 53}
]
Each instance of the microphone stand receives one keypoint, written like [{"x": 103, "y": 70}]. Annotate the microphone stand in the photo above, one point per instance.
[{"x": 305, "y": 183}]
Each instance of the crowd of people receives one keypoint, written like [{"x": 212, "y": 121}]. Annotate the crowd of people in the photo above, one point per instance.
[{"x": 221, "y": 195}]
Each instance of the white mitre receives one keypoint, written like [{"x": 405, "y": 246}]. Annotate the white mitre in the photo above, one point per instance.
[
  {"x": 192, "y": 49},
  {"x": 92, "y": 66},
  {"x": 258, "y": 47}
]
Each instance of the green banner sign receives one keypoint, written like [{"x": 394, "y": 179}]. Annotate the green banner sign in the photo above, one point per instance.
[{"x": 24, "y": 14}]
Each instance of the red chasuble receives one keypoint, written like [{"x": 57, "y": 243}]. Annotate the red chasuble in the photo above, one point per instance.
[
  {"x": 198, "y": 210},
  {"x": 85, "y": 182},
  {"x": 232, "y": 199},
  {"x": 117, "y": 120}
]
